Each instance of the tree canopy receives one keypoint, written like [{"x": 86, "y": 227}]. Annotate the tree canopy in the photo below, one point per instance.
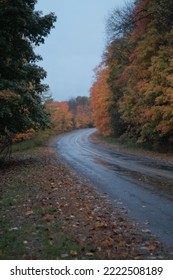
[
  {"x": 21, "y": 29},
  {"x": 138, "y": 61}
]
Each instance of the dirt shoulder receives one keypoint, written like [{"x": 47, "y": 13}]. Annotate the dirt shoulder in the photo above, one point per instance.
[{"x": 50, "y": 213}]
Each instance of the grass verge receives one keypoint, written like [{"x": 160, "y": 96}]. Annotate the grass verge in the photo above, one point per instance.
[
  {"x": 128, "y": 144},
  {"x": 132, "y": 147},
  {"x": 39, "y": 139}
]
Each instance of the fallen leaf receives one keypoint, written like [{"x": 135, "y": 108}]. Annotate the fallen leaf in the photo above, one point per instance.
[
  {"x": 108, "y": 242},
  {"x": 73, "y": 253},
  {"x": 89, "y": 254}
]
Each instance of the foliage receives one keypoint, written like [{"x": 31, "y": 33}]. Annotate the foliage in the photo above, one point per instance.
[
  {"x": 67, "y": 115},
  {"x": 31, "y": 140},
  {"x": 101, "y": 101},
  {"x": 60, "y": 115},
  {"x": 21, "y": 28},
  {"x": 139, "y": 57},
  {"x": 81, "y": 112}
]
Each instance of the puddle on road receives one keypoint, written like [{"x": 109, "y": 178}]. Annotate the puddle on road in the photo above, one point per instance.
[{"x": 159, "y": 185}]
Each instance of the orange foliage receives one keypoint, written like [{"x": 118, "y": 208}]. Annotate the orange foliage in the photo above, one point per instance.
[
  {"x": 101, "y": 97},
  {"x": 83, "y": 116},
  {"x": 142, "y": 19},
  {"x": 140, "y": 77},
  {"x": 60, "y": 115},
  {"x": 24, "y": 136}
]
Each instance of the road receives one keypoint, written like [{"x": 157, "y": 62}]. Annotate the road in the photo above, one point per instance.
[{"x": 141, "y": 186}]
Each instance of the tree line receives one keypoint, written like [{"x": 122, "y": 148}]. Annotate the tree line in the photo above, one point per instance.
[
  {"x": 72, "y": 114},
  {"x": 132, "y": 96}
]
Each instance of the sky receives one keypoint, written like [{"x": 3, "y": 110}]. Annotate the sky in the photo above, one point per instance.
[{"x": 76, "y": 44}]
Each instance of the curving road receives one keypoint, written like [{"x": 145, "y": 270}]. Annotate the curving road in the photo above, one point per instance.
[{"x": 142, "y": 186}]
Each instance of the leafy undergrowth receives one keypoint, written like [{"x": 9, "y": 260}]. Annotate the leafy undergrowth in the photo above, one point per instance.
[{"x": 49, "y": 213}]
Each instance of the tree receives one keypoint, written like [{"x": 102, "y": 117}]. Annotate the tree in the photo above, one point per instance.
[
  {"x": 61, "y": 118},
  {"x": 81, "y": 112},
  {"x": 146, "y": 103},
  {"x": 101, "y": 101},
  {"x": 21, "y": 28},
  {"x": 163, "y": 14},
  {"x": 120, "y": 22}
]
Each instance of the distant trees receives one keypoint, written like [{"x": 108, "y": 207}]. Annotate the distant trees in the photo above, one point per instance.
[
  {"x": 61, "y": 118},
  {"x": 81, "y": 112},
  {"x": 138, "y": 61},
  {"x": 71, "y": 114},
  {"x": 21, "y": 28}
]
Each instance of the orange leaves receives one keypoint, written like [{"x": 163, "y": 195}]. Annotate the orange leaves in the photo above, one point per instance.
[
  {"x": 108, "y": 243},
  {"x": 23, "y": 136},
  {"x": 101, "y": 102},
  {"x": 60, "y": 115},
  {"x": 141, "y": 18},
  {"x": 83, "y": 116},
  {"x": 133, "y": 91},
  {"x": 75, "y": 113}
]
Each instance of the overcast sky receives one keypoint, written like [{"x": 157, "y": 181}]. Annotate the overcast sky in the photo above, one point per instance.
[{"x": 74, "y": 48}]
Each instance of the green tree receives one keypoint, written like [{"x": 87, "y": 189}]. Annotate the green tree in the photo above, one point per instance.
[{"x": 21, "y": 29}]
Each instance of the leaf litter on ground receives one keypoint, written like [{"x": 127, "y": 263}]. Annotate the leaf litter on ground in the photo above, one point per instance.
[{"x": 48, "y": 212}]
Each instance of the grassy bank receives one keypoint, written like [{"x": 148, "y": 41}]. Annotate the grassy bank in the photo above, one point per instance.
[
  {"x": 124, "y": 144},
  {"x": 134, "y": 148},
  {"x": 40, "y": 139}
]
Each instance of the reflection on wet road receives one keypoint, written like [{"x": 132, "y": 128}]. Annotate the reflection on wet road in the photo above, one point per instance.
[{"x": 142, "y": 186}]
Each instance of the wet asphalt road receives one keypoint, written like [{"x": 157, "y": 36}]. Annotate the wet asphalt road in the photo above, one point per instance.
[{"x": 141, "y": 186}]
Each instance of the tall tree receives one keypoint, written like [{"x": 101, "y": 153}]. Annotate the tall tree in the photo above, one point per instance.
[
  {"x": 21, "y": 29},
  {"x": 101, "y": 102}
]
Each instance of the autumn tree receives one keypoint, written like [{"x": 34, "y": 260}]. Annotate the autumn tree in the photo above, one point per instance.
[
  {"x": 146, "y": 104},
  {"x": 138, "y": 58},
  {"x": 120, "y": 22},
  {"x": 21, "y": 29},
  {"x": 162, "y": 11},
  {"x": 81, "y": 112},
  {"x": 124, "y": 28},
  {"x": 61, "y": 118},
  {"x": 101, "y": 101}
]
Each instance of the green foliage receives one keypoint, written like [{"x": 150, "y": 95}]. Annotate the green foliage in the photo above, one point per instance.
[
  {"x": 163, "y": 14},
  {"x": 21, "y": 28},
  {"x": 39, "y": 139}
]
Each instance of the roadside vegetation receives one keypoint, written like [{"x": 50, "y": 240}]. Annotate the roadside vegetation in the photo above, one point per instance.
[
  {"x": 131, "y": 96},
  {"x": 145, "y": 149}
]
